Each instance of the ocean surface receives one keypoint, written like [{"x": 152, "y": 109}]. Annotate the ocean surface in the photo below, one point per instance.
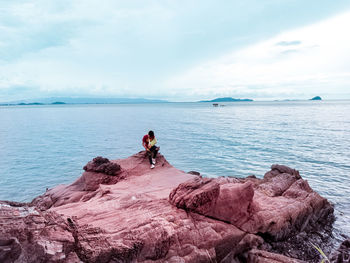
[{"x": 43, "y": 146}]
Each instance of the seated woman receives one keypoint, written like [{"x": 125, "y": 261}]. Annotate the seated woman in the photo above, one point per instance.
[{"x": 149, "y": 143}]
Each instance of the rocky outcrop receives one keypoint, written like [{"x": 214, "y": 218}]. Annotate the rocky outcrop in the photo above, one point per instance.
[
  {"x": 102, "y": 165},
  {"x": 98, "y": 171},
  {"x": 123, "y": 211},
  {"x": 281, "y": 208},
  {"x": 342, "y": 254},
  {"x": 280, "y": 204},
  {"x": 222, "y": 198},
  {"x": 29, "y": 235}
]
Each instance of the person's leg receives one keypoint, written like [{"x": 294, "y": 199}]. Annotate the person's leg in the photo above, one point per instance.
[
  {"x": 151, "y": 160},
  {"x": 150, "y": 154},
  {"x": 153, "y": 151}
]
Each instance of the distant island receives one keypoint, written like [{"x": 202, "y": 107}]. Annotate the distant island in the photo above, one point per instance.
[
  {"x": 225, "y": 99},
  {"x": 58, "y": 103},
  {"x": 31, "y": 103},
  {"x": 316, "y": 98},
  {"x": 68, "y": 100}
]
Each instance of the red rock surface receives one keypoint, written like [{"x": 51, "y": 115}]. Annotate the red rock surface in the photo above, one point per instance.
[
  {"x": 29, "y": 235},
  {"x": 140, "y": 214}
]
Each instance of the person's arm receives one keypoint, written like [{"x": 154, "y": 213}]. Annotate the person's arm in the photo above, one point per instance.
[
  {"x": 153, "y": 142},
  {"x": 145, "y": 146}
]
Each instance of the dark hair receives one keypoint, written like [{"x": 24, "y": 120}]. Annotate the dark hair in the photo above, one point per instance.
[{"x": 151, "y": 134}]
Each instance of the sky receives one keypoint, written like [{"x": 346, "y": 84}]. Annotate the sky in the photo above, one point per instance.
[{"x": 174, "y": 50}]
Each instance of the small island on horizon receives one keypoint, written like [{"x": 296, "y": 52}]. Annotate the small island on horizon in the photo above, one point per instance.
[
  {"x": 226, "y": 99},
  {"x": 316, "y": 98},
  {"x": 78, "y": 100},
  {"x": 68, "y": 100}
]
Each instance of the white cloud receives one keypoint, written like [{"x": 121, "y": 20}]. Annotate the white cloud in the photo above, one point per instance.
[
  {"x": 312, "y": 60},
  {"x": 72, "y": 48},
  {"x": 136, "y": 48}
]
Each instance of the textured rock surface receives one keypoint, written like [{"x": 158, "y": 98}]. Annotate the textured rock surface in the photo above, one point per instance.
[
  {"x": 140, "y": 214},
  {"x": 102, "y": 165},
  {"x": 222, "y": 198},
  {"x": 29, "y": 235},
  {"x": 280, "y": 204},
  {"x": 98, "y": 171},
  {"x": 262, "y": 256},
  {"x": 342, "y": 254}
]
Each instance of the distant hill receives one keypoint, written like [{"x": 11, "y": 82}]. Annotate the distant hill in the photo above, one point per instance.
[
  {"x": 68, "y": 100},
  {"x": 225, "y": 99},
  {"x": 31, "y": 103},
  {"x": 316, "y": 98}
]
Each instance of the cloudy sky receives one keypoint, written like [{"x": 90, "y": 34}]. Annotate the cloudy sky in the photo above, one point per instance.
[{"x": 176, "y": 50}]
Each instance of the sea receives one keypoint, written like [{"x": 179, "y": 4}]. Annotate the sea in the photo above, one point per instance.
[{"x": 46, "y": 145}]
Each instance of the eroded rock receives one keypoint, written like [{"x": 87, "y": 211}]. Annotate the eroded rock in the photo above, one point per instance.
[
  {"x": 29, "y": 235},
  {"x": 131, "y": 213},
  {"x": 102, "y": 165},
  {"x": 342, "y": 254},
  {"x": 221, "y": 199},
  {"x": 98, "y": 171}
]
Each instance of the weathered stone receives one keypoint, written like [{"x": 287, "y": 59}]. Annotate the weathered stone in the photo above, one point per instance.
[
  {"x": 342, "y": 254},
  {"x": 194, "y": 173},
  {"x": 102, "y": 165},
  {"x": 30, "y": 235},
  {"x": 140, "y": 214}
]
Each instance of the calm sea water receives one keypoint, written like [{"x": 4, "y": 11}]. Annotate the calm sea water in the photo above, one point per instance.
[{"x": 42, "y": 146}]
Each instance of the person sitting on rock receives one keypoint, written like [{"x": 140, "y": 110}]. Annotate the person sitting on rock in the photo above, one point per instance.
[{"x": 149, "y": 143}]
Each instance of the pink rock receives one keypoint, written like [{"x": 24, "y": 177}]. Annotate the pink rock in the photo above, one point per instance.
[
  {"x": 138, "y": 214},
  {"x": 261, "y": 256},
  {"x": 85, "y": 186},
  {"x": 198, "y": 194},
  {"x": 223, "y": 200},
  {"x": 30, "y": 235},
  {"x": 285, "y": 206}
]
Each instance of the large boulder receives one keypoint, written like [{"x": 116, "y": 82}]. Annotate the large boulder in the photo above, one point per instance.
[
  {"x": 225, "y": 200},
  {"x": 98, "y": 171},
  {"x": 281, "y": 207},
  {"x": 102, "y": 165}
]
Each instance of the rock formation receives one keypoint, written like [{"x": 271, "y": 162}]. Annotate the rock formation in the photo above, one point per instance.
[
  {"x": 342, "y": 254},
  {"x": 123, "y": 211}
]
